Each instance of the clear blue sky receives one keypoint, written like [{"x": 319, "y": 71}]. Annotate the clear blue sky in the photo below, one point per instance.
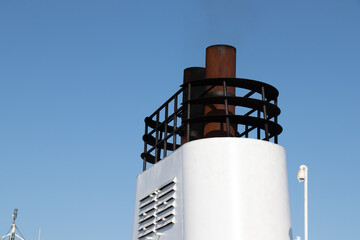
[{"x": 78, "y": 77}]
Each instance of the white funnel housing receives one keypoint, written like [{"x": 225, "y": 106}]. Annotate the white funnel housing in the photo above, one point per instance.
[{"x": 215, "y": 188}]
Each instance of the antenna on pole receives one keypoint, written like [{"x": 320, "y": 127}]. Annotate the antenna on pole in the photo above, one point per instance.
[
  {"x": 12, "y": 233},
  {"x": 14, "y": 215}
]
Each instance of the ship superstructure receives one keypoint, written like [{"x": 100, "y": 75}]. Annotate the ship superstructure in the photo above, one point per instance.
[{"x": 212, "y": 166}]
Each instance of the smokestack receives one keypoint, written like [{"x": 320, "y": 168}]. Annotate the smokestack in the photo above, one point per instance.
[
  {"x": 197, "y": 110},
  {"x": 220, "y": 63}
]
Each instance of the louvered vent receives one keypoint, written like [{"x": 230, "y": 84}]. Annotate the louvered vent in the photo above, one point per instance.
[{"x": 157, "y": 211}]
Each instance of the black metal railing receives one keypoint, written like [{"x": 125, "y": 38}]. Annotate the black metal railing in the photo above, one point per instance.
[{"x": 255, "y": 115}]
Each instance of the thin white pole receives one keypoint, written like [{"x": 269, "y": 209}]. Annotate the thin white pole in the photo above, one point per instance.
[
  {"x": 306, "y": 203},
  {"x": 13, "y": 227},
  {"x": 39, "y": 233}
]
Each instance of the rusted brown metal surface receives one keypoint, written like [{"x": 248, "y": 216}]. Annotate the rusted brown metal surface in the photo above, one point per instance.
[
  {"x": 196, "y": 110},
  {"x": 220, "y": 63}
]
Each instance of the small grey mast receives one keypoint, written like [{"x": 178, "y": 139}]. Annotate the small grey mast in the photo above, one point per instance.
[{"x": 12, "y": 232}]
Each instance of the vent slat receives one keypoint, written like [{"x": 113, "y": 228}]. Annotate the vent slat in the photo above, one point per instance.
[
  {"x": 146, "y": 234},
  {"x": 165, "y": 215},
  {"x": 162, "y": 193},
  {"x": 145, "y": 198},
  {"x": 160, "y": 223},
  {"x": 148, "y": 207},
  {"x": 164, "y": 224},
  {"x": 147, "y": 214},
  {"x": 166, "y": 196},
  {"x": 144, "y": 204},
  {"x": 146, "y": 219},
  {"x": 147, "y": 225},
  {"x": 164, "y": 210},
  {"x": 166, "y": 185},
  {"x": 166, "y": 204}
]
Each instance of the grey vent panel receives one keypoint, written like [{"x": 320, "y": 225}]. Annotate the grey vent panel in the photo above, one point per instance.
[{"x": 157, "y": 211}]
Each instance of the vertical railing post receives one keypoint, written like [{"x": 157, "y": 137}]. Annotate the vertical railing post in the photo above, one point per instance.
[
  {"x": 160, "y": 141},
  {"x": 276, "y": 122},
  {"x": 157, "y": 136},
  {"x": 166, "y": 129},
  {"x": 188, "y": 113},
  {"x": 226, "y": 110},
  {"x": 175, "y": 122},
  {"x": 145, "y": 148},
  {"x": 265, "y": 113},
  {"x": 258, "y": 128}
]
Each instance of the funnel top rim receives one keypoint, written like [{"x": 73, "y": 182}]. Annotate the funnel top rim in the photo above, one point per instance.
[
  {"x": 221, "y": 45},
  {"x": 194, "y": 68}
]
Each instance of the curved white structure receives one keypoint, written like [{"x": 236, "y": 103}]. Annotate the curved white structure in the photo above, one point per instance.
[{"x": 215, "y": 188}]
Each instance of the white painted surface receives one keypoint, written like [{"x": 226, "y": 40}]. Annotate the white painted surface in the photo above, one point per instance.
[{"x": 227, "y": 188}]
